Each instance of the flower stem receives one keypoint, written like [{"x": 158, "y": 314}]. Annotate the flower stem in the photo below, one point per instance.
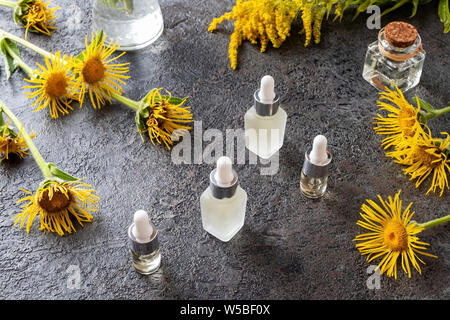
[
  {"x": 128, "y": 102},
  {"x": 435, "y": 113},
  {"x": 124, "y": 100},
  {"x": 10, "y": 4},
  {"x": 442, "y": 111},
  {"x": 21, "y": 63},
  {"x": 25, "y": 43},
  {"x": 43, "y": 165},
  {"x": 435, "y": 222}
]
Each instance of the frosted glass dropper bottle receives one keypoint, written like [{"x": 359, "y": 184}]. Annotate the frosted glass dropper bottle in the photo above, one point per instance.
[
  {"x": 265, "y": 121},
  {"x": 314, "y": 176},
  {"x": 223, "y": 204},
  {"x": 144, "y": 245}
]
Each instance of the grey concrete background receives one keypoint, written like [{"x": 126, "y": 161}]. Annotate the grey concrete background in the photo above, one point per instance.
[{"x": 290, "y": 247}]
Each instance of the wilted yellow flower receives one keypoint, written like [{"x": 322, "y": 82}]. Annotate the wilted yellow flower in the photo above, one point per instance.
[
  {"x": 162, "y": 117},
  {"x": 392, "y": 236},
  {"x": 95, "y": 72},
  {"x": 35, "y": 16},
  {"x": 56, "y": 203},
  {"x": 54, "y": 86},
  {"x": 11, "y": 143},
  {"x": 59, "y": 198},
  {"x": 166, "y": 117}
]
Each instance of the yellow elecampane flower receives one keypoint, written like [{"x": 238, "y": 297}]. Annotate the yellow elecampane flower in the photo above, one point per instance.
[
  {"x": 425, "y": 156},
  {"x": 97, "y": 75},
  {"x": 166, "y": 118},
  {"x": 400, "y": 123},
  {"x": 53, "y": 85},
  {"x": 393, "y": 236},
  {"x": 57, "y": 204},
  {"x": 12, "y": 144},
  {"x": 36, "y": 16}
]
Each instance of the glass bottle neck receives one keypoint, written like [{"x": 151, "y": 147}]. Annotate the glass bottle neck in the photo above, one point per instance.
[{"x": 397, "y": 53}]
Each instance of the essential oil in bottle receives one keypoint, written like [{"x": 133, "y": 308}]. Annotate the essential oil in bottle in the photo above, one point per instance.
[
  {"x": 265, "y": 121},
  {"x": 396, "y": 58},
  {"x": 314, "y": 176},
  {"x": 223, "y": 204},
  {"x": 144, "y": 245}
]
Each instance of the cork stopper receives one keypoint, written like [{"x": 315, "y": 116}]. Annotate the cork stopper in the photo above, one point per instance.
[{"x": 400, "y": 34}]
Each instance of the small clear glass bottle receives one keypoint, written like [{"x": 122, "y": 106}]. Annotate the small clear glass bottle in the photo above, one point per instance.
[
  {"x": 144, "y": 245},
  {"x": 314, "y": 176},
  {"x": 396, "y": 58},
  {"x": 133, "y": 24},
  {"x": 265, "y": 121},
  {"x": 224, "y": 203}
]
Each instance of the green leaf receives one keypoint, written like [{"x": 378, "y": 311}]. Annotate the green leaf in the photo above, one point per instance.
[
  {"x": 140, "y": 122},
  {"x": 424, "y": 105},
  {"x": 362, "y": 7},
  {"x": 414, "y": 10},
  {"x": 8, "y": 132},
  {"x": 396, "y": 6},
  {"x": 145, "y": 112},
  {"x": 174, "y": 100},
  {"x": 61, "y": 174},
  {"x": 11, "y": 64},
  {"x": 127, "y": 5},
  {"x": 111, "y": 3},
  {"x": 21, "y": 10},
  {"x": 444, "y": 14},
  {"x": 99, "y": 37}
]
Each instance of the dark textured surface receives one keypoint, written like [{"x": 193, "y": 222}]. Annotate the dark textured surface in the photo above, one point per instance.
[{"x": 290, "y": 247}]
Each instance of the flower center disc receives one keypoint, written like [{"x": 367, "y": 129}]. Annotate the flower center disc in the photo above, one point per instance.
[
  {"x": 58, "y": 202},
  {"x": 56, "y": 85},
  {"x": 93, "y": 70},
  {"x": 395, "y": 236}
]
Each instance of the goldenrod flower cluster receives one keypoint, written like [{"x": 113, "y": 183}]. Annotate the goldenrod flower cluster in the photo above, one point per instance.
[
  {"x": 411, "y": 142},
  {"x": 271, "y": 20},
  {"x": 256, "y": 20}
]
